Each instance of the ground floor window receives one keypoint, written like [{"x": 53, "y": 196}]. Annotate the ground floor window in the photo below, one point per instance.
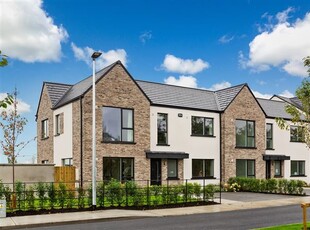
[
  {"x": 118, "y": 168},
  {"x": 172, "y": 168},
  {"x": 277, "y": 169},
  {"x": 202, "y": 168},
  {"x": 297, "y": 168},
  {"x": 245, "y": 168},
  {"x": 66, "y": 161}
]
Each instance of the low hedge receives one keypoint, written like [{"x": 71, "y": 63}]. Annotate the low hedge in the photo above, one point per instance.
[{"x": 277, "y": 186}]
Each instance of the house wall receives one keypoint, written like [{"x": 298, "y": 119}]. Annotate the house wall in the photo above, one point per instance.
[
  {"x": 45, "y": 146},
  {"x": 180, "y": 139},
  {"x": 63, "y": 141},
  {"x": 115, "y": 89},
  {"x": 296, "y": 150},
  {"x": 244, "y": 106}
]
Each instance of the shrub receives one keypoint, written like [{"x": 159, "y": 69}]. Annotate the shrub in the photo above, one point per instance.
[
  {"x": 51, "y": 193},
  {"x": 210, "y": 191},
  {"x": 197, "y": 190},
  {"x": 190, "y": 191},
  {"x": 70, "y": 199},
  {"x": 174, "y": 192},
  {"x": 139, "y": 196},
  {"x": 155, "y": 191},
  {"x": 271, "y": 185},
  {"x": 30, "y": 198},
  {"x": 115, "y": 192},
  {"x": 90, "y": 196},
  {"x": 283, "y": 186},
  {"x": 41, "y": 194},
  {"x": 81, "y": 197},
  {"x": 20, "y": 195},
  {"x": 292, "y": 187},
  {"x": 62, "y": 194},
  {"x": 100, "y": 194},
  {"x": 300, "y": 185}
]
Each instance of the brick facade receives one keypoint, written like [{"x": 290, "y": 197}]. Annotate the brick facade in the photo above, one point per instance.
[
  {"x": 244, "y": 107},
  {"x": 115, "y": 89},
  {"x": 45, "y": 146}
]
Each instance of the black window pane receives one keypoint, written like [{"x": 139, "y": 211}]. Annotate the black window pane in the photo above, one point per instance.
[
  {"x": 301, "y": 168},
  {"x": 241, "y": 168},
  {"x": 251, "y": 168},
  {"x": 209, "y": 168},
  {"x": 197, "y": 168},
  {"x": 162, "y": 138},
  {"x": 115, "y": 171},
  {"x": 197, "y": 125},
  {"x": 127, "y": 169},
  {"x": 111, "y": 124},
  {"x": 162, "y": 135}
]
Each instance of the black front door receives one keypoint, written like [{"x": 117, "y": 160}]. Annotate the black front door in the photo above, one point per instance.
[
  {"x": 155, "y": 171},
  {"x": 268, "y": 169}
]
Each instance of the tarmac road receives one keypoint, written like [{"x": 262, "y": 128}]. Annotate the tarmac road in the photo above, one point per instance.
[{"x": 233, "y": 220}]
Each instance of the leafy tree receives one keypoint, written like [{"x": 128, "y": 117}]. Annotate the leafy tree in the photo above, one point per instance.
[
  {"x": 300, "y": 117},
  {"x": 9, "y": 99},
  {"x": 12, "y": 125},
  {"x": 3, "y": 60}
]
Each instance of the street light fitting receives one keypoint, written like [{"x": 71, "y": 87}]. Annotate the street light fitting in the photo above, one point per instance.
[{"x": 95, "y": 55}]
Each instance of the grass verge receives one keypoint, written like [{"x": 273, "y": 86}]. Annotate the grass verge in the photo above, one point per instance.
[{"x": 286, "y": 227}]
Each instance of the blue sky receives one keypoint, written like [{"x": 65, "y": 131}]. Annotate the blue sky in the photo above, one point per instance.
[{"x": 204, "y": 44}]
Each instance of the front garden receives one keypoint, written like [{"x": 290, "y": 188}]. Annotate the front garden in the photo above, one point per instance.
[{"x": 59, "y": 197}]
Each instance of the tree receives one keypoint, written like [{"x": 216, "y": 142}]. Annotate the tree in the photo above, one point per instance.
[
  {"x": 12, "y": 124},
  {"x": 300, "y": 117},
  {"x": 4, "y": 60},
  {"x": 9, "y": 99}
]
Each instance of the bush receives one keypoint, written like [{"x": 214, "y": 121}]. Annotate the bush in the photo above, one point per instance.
[
  {"x": 155, "y": 191},
  {"x": 81, "y": 197},
  {"x": 52, "y": 195},
  {"x": 62, "y": 195},
  {"x": 115, "y": 192},
  {"x": 30, "y": 198},
  {"x": 20, "y": 195},
  {"x": 197, "y": 190},
  {"x": 41, "y": 194},
  {"x": 271, "y": 185},
  {"x": 210, "y": 191},
  {"x": 100, "y": 194}
]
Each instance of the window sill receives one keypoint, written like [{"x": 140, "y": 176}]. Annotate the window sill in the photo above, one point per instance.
[
  {"x": 278, "y": 176},
  {"x": 162, "y": 145},
  {"x": 240, "y": 147},
  {"x": 298, "y": 176},
  {"x": 297, "y": 141},
  {"x": 118, "y": 142},
  {"x": 270, "y": 149},
  {"x": 173, "y": 178},
  {"x": 201, "y": 178},
  {"x": 195, "y": 135},
  {"x": 56, "y": 135},
  {"x": 44, "y": 138}
]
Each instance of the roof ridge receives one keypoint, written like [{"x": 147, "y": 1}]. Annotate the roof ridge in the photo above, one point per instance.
[
  {"x": 234, "y": 86},
  {"x": 159, "y": 83}
]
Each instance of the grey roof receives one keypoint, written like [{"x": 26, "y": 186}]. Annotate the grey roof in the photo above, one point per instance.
[
  {"x": 56, "y": 91},
  {"x": 225, "y": 96},
  {"x": 82, "y": 87},
  {"x": 274, "y": 108},
  {"x": 170, "y": 95},
  {"x": 293, "y": 101}
]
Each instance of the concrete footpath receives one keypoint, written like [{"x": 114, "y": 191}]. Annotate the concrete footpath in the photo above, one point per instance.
[{"x": 230, "y": 202}]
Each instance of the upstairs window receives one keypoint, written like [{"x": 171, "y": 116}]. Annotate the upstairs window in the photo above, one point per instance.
[
  {"x": 66, "y": 161},
  {"x": 297, "y": 133},
  {"x": 117, "y": 125},
  {"x": 57, "y": 124},
  {"x": 162, "y": 129},
  {"x": 202, "y": 126},
  {"x": 245, "y": 133},
  {"x": 269, "y": 136},
  {"x": 44, "y": 129}
]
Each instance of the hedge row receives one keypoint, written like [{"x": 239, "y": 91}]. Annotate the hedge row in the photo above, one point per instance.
[{"x": 279, "y": 186}]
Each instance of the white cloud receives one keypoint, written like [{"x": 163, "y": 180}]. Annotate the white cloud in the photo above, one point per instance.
[
  {"x": 22, "y": 107},
  {"x": 286, "y": 93},
  {"x": 145, "y": 36},
  {"x": 107, "y": 58},
  {"x": 28, "y": 33},
  {"x": 183, "y": 66},
  {"x": 186, "y": 81},
  {"x": 283, "y": 46},
  {"x": 226, "y": 39},
  {"x": 218, "y": 86},
  {"x": 261, "y": 95}
]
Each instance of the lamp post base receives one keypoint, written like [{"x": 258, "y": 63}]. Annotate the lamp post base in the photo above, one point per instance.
[{"x": 93, "y": 207}]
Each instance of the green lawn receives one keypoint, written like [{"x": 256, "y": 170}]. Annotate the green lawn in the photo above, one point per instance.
[{"x": 286, "y": 227}]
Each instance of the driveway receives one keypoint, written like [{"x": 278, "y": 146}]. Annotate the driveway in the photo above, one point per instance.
[{"x": 252, "y": 197}]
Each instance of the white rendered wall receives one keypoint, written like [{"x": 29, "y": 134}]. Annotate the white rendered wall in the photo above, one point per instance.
[
  {"x": 296, "y": 150},
  {"x": 180, "y": 139},
  {"x": 63, "y": 142}
]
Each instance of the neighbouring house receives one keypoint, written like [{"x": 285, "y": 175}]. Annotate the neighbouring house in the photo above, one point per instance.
[{"x": 159, "y": 132}]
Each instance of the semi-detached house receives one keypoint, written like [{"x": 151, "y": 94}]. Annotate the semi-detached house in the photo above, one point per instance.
[{"x": 158, "y": 132}]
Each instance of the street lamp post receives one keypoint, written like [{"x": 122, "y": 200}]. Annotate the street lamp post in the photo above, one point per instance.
[{"x": 94, "y": 168}]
